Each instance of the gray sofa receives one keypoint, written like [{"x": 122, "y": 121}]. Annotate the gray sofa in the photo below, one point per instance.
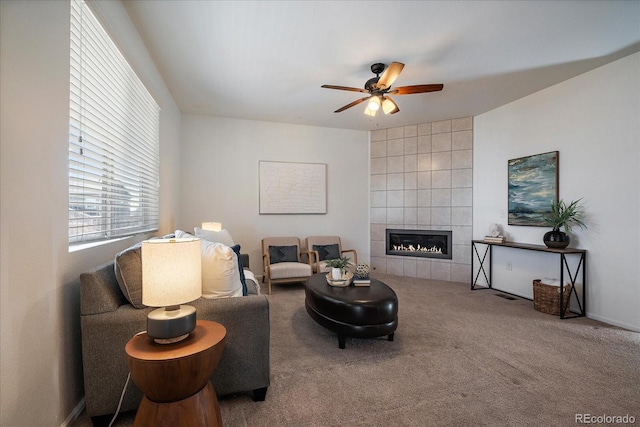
[{"x": 108, "y": 322}]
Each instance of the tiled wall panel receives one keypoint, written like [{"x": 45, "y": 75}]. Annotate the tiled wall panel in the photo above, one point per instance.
[{"x": 421, "y": 178}]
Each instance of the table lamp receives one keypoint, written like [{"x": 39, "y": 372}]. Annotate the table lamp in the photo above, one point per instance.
[
  {"x": 171, "y": 276},
  {"x": 212, "y": 226}
]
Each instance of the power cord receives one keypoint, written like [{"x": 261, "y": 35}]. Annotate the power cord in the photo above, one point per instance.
[
  {"x": 124, "y": 389},
  {"x": 121, "y": 399}
]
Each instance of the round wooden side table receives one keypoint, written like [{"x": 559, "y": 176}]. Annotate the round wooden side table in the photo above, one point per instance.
[{"x": 175, "y": 377}]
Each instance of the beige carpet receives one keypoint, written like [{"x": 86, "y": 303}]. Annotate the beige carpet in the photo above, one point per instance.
[{"x": 459, "y": 358}]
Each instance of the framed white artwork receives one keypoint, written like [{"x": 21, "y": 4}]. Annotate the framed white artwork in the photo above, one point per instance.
[{"x": 292, "y": 188}]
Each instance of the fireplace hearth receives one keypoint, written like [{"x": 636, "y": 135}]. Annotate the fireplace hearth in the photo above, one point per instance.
[{"x": 419, "y": 243}]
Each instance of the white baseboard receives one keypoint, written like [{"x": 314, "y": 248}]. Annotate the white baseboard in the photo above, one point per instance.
[
  {"x": 613, "y": 322},
  {"x": 74, "y": 414}
]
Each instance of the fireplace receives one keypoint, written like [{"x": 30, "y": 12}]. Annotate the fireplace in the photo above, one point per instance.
[{"x": 419, "y": 243}]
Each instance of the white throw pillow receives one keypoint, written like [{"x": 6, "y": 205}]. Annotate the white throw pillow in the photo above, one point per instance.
[
  {"x": 221, "y": 236},
  {"x": 220, "y": 274},
  {"x": 183, "y": 234}
]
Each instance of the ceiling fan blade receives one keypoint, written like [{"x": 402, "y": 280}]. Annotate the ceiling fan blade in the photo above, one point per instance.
[
  {"x": 390, "y": 75},
  {"x": 352, "y": 89},
  {"x": 352, "y": 104},
  {"x": 408, "y": 90}
]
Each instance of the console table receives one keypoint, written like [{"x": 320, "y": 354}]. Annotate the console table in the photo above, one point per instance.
[{"x": 581, "y": 254}]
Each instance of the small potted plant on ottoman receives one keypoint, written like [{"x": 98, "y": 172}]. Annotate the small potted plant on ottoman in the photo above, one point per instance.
[{"x": 338, "y": 267}]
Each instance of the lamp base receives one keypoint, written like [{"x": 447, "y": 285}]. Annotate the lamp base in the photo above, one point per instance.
[
  {"x": 171, "y": 324},
  {"x": 171, "y": 340}
]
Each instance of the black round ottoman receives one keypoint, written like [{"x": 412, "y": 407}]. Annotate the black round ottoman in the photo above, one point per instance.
[{"x": 352, "y": 311}]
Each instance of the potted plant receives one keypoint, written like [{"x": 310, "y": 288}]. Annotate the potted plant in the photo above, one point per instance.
[
  {"x": 566, "y": 216},
  {"x": 337, "y": 267}
]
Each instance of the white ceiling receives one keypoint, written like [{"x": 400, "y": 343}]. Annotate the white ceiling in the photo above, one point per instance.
[{"x": 266, "y": 60}]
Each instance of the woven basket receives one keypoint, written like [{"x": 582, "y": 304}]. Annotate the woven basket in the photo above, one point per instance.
[{"x": 546, "y": 298}]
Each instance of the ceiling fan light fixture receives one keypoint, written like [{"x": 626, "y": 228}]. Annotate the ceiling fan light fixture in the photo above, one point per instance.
[
  {"x": 370, "y": 112},
  {"x": 388, "y": 106},
  {"x": 374, "y": 103}
]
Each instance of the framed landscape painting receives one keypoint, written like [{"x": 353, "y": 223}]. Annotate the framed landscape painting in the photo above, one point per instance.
[{"x": 533, "y": 187}]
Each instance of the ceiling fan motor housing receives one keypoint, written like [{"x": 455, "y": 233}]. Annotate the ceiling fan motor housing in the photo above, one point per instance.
[
  {"x": 376, "y": 68},
  {"x": 370, "y": 85}
]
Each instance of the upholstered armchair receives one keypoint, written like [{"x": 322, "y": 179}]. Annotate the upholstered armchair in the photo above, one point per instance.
[
  {"x": 327, "y": 247},
  {"x": 282, "y": 261}
]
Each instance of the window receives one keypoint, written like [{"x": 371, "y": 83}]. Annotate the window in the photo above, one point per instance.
[{"x": 113, "y": 139}]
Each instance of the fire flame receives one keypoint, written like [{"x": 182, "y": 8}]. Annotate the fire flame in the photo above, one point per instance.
[{"x": 434, "y": 249}]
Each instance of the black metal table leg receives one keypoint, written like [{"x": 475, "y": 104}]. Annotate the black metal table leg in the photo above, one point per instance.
[
  {"x": 572, "y": 278},
  {"x": 488, "y": 250}
]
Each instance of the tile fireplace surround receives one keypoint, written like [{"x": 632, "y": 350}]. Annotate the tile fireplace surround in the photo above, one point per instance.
[{"x": 421, "y": 178}]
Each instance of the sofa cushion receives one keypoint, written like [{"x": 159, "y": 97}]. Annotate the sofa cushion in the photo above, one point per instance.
[
  {"x": 128, "y": 269},
  {"x": 221, "y": 236},
  {"x": 327, "y": 251},
  {"x": 283, "y": 254}
]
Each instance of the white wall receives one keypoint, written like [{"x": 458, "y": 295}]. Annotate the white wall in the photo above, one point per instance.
[
  {"x": 220, "y": 180},
  {"x": 594, "y": 122},
  {"x": 41, "y": 380}
]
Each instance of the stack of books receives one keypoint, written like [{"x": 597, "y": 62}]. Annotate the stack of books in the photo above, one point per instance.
[
  {"x": 494, "y": 239},
  {"x": 357, "y": 281}
]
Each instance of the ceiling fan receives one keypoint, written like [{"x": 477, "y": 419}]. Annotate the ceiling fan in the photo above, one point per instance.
[{"x": 379, "y": 89}]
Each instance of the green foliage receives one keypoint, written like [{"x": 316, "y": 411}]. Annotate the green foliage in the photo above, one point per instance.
[
  {"x": 337, "y": 263},
  {"x": 567, "y": 216}
]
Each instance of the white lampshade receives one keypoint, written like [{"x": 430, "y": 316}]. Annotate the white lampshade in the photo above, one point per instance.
[
  {"x": 171, "y": 271},
  {"x": 212, "y": 226},
  {"x": 171, "y": 275}
]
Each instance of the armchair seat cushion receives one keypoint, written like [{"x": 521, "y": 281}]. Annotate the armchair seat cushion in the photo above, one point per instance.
[{"x": 285, "y": 270}]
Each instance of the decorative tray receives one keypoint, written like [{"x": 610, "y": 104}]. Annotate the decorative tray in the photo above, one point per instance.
[{"x": 342, "y": 283}]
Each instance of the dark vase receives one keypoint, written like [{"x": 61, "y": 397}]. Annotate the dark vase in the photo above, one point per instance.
[{"x": 556, "y": 239}]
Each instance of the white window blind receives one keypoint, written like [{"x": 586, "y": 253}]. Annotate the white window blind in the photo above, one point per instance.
[{"x": 113, "y": 138}]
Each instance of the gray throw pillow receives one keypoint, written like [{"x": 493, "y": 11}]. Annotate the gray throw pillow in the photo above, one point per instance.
[
  {"x": 327, "y": 251},
  {"x": 283, "y": 254},
  {"x": 128, "y": 269}
]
